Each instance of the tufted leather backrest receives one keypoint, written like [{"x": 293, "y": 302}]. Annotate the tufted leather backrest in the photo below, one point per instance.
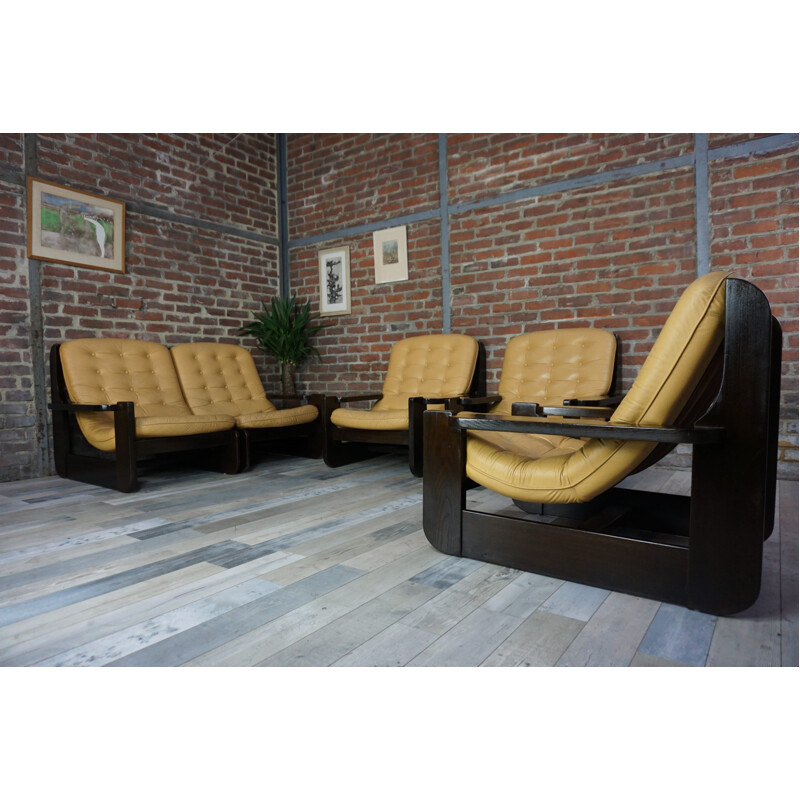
[
  {"x": 219, "y": 379},
  {"x": 123, "y": 370},
  {"x": 438, "y": 365},
  {"x": 551, "y": 366}
]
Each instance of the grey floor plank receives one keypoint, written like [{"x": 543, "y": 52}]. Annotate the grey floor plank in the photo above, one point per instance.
[
  {"x": 294, "y": 563},
  {"x": 613, "y": 633},
  {"x": 539, "y": 641}
]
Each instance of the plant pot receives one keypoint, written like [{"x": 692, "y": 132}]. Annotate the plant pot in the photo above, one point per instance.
[{"x": 287, "y": 378}]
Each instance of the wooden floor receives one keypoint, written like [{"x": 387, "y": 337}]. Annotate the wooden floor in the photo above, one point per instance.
[{"x": 295, "y": 564}]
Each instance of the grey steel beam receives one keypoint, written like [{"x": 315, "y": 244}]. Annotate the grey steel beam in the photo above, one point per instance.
[
  {"x": 702, "y": 216},
  {"x": 283, "y": 214},
  {"x": 444, "y": 231}
]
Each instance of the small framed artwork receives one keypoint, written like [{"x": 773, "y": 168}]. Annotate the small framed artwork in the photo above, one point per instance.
[
  {"x": 391, "y": 255},
  {"x": 78, "y": 228},
  {"x": 334, "y": 281}
]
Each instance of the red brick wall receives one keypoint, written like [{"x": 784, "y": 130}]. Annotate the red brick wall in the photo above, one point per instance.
[
  {"x": 754, "y": 233},
  {"x": 616, "y": 254},
  {"x": 183, "y": 280},
  {"x": 340, "y": 180}
]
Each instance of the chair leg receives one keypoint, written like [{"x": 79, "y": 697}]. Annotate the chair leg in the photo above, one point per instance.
[
  {"x": 444, "y": 488},
  {"x": 316, "y": 444},
  {"x": 416, "y": 411},
  {"x": 125, "y": 447}
]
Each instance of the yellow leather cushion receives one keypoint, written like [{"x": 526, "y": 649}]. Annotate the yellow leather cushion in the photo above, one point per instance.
[
  {"x": 371, "y": 420},
  {"x": 107, "y": 371},
  {"x": 551, "y": 366},
  {"x": 438, "y": 365},
  {"x": 676, "y": 363},
  {"x": 279, "y": 418},
  {"x": 223, "y": 379}
]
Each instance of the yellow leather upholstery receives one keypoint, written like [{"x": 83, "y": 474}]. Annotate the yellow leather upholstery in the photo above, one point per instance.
[
  {"x": 223, "y": 379},
  {"x": 438, "y": 365},
  {"x": 550, "y": 366},
  {"x": 546, "y": 474},
  {"x": 107, "y": 371}
]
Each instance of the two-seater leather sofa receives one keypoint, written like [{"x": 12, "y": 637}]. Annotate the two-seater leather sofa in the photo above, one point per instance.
[{"x": 119, "y": 402}]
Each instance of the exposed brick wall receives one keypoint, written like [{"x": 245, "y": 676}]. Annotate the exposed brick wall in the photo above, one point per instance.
[
  {"x": 613, "y": 256},
  {"x": 183, "y": 281},
  {"x": 481, "y": 165},
  {"x": 754, "y": 233},
  {"x": 616, "y": 254},
  {"x": 355, "y": 347},
  {"x": 336, "y": 180},
  {"x": 17, "y": 417}
]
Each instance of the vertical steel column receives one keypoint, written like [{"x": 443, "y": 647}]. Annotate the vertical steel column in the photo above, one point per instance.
[
  {"x": 702, "y": 217},
  {"x": 444, "y": 232},
  {"x": 42, "y": 429},
  {"x": 283, "y": 216}
]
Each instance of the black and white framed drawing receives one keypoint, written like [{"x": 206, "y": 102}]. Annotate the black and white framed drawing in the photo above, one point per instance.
[{"x": 334, "y": 281}]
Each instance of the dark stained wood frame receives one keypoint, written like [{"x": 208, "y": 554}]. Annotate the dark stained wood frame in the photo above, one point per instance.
[
  {"x": 346, "y": 445},
  {"x": 702, "y": 551},
  {"x": 77, "y": 460}
]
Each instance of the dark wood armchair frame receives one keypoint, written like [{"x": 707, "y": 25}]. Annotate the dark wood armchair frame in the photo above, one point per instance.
[
  {"x": 346, "y": 445},
  {"x": 703, "y": 551}
]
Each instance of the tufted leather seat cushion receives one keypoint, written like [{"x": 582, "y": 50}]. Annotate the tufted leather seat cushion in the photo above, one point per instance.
[
  {"x": 544, "y": 473},
  {"x": 438, "y": 365},
  {"x": 107, "y": 371},
  {"x": 223, "y": 379}
]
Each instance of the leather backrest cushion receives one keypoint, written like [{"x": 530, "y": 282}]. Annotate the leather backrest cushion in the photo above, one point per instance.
[
  {"x": 550, "y": 366},
  {"x": 439, "y": 365},
  {"x": 219, "y": 379},
  {"x": 680, "y": 355},
  {"x": 123, "y": 370}
]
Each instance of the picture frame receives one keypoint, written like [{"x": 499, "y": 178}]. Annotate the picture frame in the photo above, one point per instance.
[
  {"x": 391, "y": 255},
  {"x": 77, "y": 228},
  {"x": 334, "y": 281}
]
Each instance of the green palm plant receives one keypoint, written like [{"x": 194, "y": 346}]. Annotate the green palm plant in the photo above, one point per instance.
[{"x": 284, "y": 330}]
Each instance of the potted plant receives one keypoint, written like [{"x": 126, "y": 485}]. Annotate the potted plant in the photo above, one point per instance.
[{"x": 283, "y": 330}]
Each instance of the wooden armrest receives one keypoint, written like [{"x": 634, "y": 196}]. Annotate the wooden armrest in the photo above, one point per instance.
[
  {"x": 570, "y": 412},
  {"x": 610, "y": 400},
  {"x": 72, "y": 407},
  {"x": 469, "y": 400},
  {"x": 355, "y": 398},
  {"x": 515, "y": 424}
]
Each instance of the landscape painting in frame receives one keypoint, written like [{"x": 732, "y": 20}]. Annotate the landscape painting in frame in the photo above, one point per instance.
[
  {"x": 334, "y": 281},
  {"x": 391, "y": 255},
  {"x": 77, "y": 228}
]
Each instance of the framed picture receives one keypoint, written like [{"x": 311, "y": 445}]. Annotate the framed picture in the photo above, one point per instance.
[
  {"x": 334, "y": 281},
  {"x": 77, "y": 228},
  {"x": 391, "y": 255}
]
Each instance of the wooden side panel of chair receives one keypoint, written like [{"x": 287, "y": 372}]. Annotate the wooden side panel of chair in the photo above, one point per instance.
[
  {"x": 444, "y": 487},
  {"x": 733, "y": 482}
]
